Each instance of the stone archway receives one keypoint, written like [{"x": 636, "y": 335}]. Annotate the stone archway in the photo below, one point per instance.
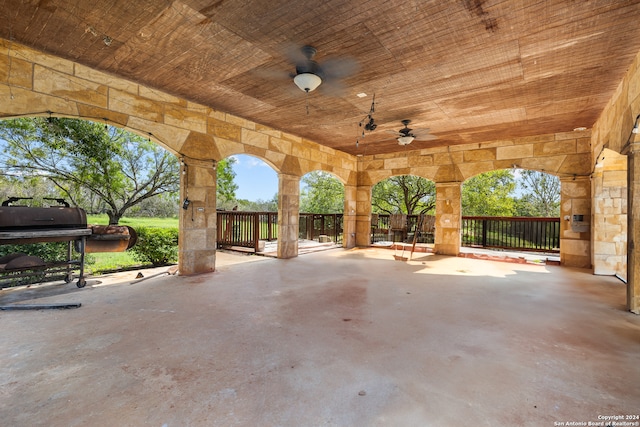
[{"x": 39, "y": 84}]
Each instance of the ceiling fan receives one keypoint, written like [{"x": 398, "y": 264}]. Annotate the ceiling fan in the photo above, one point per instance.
[
  {"x": 406, "y": 135},
  {"x": 309, "y": 74}
]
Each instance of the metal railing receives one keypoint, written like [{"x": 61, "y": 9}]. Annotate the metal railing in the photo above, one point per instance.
[
  {"x": 515, "y": 233},
  {"x": 239, "y": 229},
  {"x": 383, "y": 229},
  {"x": 518, "y": 233},
  {"x": 312, "y": 226},
  {"x": 247, "y": 229}
]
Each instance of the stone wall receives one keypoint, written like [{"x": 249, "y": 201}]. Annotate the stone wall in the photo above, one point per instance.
[
  {"x": 613, "y": 128},
  {"x": 613, "y": 131},
  {"x": 575, "y": 228},
  {"x": 566, "y": 155},
  {"x": 561, "y": 154},
  {"x": 610, "y": 214},
  {"x": 448, "y": 218},
  {"x": 33, "y": 83},
  {"x": 198, "y": 222},
  {"x": 36, "y": 84}
]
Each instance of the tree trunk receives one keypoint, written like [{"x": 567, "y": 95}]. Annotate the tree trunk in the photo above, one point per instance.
[{"x": 114, "y": 217}]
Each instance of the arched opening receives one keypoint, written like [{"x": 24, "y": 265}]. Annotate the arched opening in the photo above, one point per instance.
[
  {"x": 403, "y": 210},
  {"x": 256, "y": 184},
  {"x": 113, "y": 176},
  {"x": 321, "y": 208},
  {"x": 102, "y": 168},
  {"x": 511, "y": 210},
  {"x": 247, "y": 204}
]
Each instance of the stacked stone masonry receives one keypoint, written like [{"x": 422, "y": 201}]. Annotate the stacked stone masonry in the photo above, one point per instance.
[
  {"x": 613, "y": 131},
  {"x": 36, "y": 84}
]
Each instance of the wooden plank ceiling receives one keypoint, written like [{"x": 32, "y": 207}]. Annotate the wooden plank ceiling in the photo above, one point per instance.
[{"x": 470, "y": 70}]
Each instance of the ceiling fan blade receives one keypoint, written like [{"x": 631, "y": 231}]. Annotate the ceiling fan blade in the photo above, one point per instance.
[
  {"x": 419, "y": 132},
  {"x": 339, "y": 68},
  {"x": 427, "y": 137},
  {"x": 332, "y": 88},
  {"x": 294, "y": 54}
]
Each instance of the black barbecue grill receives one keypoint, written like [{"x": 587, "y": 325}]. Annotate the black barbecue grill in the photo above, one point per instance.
[{"x": 61, "y": 223}]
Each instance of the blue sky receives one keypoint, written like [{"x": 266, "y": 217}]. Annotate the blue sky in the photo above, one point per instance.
[
  {"x": 255, "y": 179},
  {"x": 258, "y": 181}
]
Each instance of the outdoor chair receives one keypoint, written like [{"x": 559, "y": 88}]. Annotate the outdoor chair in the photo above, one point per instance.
[{"x": 398, "y": 225}]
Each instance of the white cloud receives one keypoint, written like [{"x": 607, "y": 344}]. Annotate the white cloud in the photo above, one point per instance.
[{"x": 248, "y": 161}]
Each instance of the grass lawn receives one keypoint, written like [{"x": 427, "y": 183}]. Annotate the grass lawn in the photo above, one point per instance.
[
  {"x": 135, "y": 222},
  {"x": 103, "y": 262}
]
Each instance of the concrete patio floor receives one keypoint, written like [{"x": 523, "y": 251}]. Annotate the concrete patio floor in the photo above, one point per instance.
[{"x": 337, "y": 338}]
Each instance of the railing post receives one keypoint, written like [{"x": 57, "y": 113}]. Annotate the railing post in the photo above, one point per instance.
[
  {"x": 256, "y": 231},
  {"x": 484, "y": 233},
  {"x": 218, "y": 228}
]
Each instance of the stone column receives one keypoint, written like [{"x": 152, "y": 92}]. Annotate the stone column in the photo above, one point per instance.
[
  {"x": 288, "y": 215},
  {"x": 609, "y": 228},
  {"x": 633, "y": 227},
  {"x": 349, "y": 217},
  {"x": 575, "y": 221},
  {"x": 448, "y": 218},
  {"x": 197, "y": 219},
  {"x": 363, "y": 215}
]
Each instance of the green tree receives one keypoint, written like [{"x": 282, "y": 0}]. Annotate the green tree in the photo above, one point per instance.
[
  {"x": 404, "y": 194},
  {"x": 259, "y": 205},
  {"x": 27, "y": 186},
  {"x": 226, "y": 187},
  {"x": 541, "y": 195},
  {"x": 84, "y": 158},
  {"x": 321, "y": 193},
  {"x": 160, "y": 206},
  {"x": 489, "y": 194}
]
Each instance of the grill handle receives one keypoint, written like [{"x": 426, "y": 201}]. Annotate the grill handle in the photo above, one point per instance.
[
  {"x": 62, "y": 202},
  {"x": 14, "y": 199}
]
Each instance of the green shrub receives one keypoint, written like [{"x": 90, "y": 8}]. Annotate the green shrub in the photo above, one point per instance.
[
  {"x": 158, "y": 246},
  {"x": 50, "y": 252}
]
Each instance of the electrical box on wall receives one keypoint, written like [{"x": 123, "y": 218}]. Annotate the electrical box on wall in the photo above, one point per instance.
[{"x": 578, "y": 224}]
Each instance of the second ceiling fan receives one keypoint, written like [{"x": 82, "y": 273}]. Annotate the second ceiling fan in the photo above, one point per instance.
[{"x": 406, "y": 135}]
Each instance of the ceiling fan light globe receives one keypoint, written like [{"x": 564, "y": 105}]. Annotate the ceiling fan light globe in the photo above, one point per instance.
[
  {"x": 405, "y": 140},
  {"x": 307, "y": 82}
]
